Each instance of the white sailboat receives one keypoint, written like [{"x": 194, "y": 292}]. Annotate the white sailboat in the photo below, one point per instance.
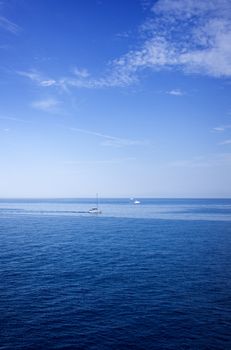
[{"x": 95, "y": 210}]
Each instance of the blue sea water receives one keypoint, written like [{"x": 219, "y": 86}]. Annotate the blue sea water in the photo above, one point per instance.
[{"x": 150, "y": 276}]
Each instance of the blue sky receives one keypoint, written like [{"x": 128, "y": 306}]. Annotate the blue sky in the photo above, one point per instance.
[{"x": 124, "y": 98}]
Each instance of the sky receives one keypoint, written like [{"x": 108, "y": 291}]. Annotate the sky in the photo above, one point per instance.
[{"x": 121, "y": 98}]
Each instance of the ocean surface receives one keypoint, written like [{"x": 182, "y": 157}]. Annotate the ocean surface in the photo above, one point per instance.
[{"x": 156, "y": 275}]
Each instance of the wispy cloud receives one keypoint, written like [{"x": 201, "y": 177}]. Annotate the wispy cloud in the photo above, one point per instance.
[
  {"x": 47, "y": 105},
  {"x": 192, "y": 35},
  {"x": 14, "y": 119},
  {"x": 221, "y": 128},
  {"x": 109, "y": 140},
  {"x": 175, "y": 92},
  {"x": 100, "y": 161},
  {"x": 196, "y": 162},
  {"x": 48, "y": 82},
  {"x": 82, "y": 73},
  {"x": 37, "y": 77},
  {"x": 189, "y": 35},
  {"x": 146, "y": 4},
  {"x": 212, "y": 160},
  {"x": 124, "y": 35},
  {"x": 226, "y": 142},
  {"x": 9, "y": 26},
  {"x": 218, "y": 129}
]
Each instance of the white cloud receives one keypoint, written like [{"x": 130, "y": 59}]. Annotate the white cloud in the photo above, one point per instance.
[
  {"x": 82, "y": 73},
  {"x": 14, "y": 119},
  {"x": 226, "y": 142},
  {"x": 109, "y": 140},
  {"x": 49, "y": 82},
  {"x": 101, "y": 161},
  {"x": 9, "y": 26},
  {"x": 221, "y": 128},
  {"x": 47, "y": 105},
  {"x": 193, "y": 36},
  {"x": 188, "y": 8},
  {"x": 212, "y": 160},
  {"x": 32, "y": 74},
  {"x": 37, "y": 77},
  {"x": 190, "y": 35},
  {"x": 175, "y": 92},
  {"x": 215, "y": 60}
]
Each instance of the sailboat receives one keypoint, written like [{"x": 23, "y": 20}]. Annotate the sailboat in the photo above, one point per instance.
[{"x": 95, "y": 210}]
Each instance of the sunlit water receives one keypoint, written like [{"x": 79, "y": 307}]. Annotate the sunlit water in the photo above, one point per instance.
[{"x": 151, "y": 276}]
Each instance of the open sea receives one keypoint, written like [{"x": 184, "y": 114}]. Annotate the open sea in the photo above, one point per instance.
[{"x": 156, "y": 275}]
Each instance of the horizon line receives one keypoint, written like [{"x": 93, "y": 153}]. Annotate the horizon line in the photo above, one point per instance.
[{"x": 113, "y": 197}]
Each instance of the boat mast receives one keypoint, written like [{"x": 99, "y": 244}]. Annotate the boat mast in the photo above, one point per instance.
[{"x": 97, "y": 201}]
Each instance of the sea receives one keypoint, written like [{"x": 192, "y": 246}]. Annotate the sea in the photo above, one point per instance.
[{"x": 154, "y": 275}]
